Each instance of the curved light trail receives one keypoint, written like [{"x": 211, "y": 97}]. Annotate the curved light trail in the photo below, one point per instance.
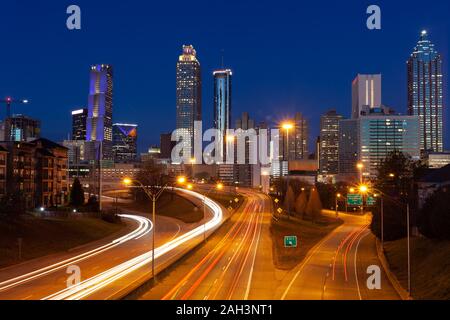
[
  {"x": 144, "y": 227},
  {"x": 89, "y": 286}
]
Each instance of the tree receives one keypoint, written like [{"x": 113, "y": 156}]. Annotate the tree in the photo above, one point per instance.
[
  {"x": 434, "y": 218},
  {"x": 152, "y": 177},
  {"x": 12, "y": 205},
  {"x": 301, "y": 203},
  {"x": 77, "y": 194},
  {"x": 396, "y": 175},
  {"x": 327, "y": 193},
  {"x": 314, "y": 207},
  {"x": 93, "y": 204},
  {"x": 289, "y": 200}
]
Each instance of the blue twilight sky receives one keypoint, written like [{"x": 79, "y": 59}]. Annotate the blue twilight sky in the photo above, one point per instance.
[{"x": 286, "y": 56}]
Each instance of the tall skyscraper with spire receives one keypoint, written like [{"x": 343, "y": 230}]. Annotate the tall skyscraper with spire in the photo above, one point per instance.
[
  {"x": 425, "y": 94},
  {"x": 189, "y": 96},
  {"x": 100, "y": 108}
]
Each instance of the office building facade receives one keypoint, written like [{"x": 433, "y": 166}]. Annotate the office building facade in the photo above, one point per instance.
[
  {"x": 125, "y": 142},
  {"x": 371, "y": 138},
  {"x": 79, "y": 119},
  {"x": 329, "y": 143},
  {"x": 189, "y": 98},
  {"x": 222, "y": 106},
  {"x": 100, "y": 112},
  {"x": 366, "y": 92},
  {"x": 425, "y": 93},
  {"x": 20, "y": 128}
]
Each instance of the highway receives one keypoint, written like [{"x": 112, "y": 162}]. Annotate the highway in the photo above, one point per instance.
[
  {"x": 239, "y": 264},
  {"x": 227, "y": 270},
  {"x": 108, "y": 267},
  {"x": 336, "y": 268}
]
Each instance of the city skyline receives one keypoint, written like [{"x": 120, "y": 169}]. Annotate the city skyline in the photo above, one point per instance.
[{"x": 278, "y": 91}]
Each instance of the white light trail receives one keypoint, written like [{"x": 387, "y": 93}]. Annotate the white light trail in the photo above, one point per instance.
[
  {"x": 145, "y": 226},
  {"x": 89, "y": 286}
]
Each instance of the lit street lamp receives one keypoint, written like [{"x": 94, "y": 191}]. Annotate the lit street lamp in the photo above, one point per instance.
[
  {"x": 338, "y": 196},
  {"x": 219, "y": 186},
  {"x": 154, "y": 196}
]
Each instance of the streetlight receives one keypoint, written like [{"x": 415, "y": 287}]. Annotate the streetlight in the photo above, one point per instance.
[
  {"x": 338, "y": 196},
  {"x": 154, "y": 196},
  {"x": 219, "y": 186},
  {"x": 363, "y": 189}
]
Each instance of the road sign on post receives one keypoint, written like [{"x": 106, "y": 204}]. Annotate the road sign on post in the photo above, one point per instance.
[
  {"x": 290, "y": 241},
  {"x": 354, "y": 200},
  {"x": 371, "y": 201}
]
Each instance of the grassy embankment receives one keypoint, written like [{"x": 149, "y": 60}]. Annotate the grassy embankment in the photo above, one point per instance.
[
  {"x": 42, "y": 237},
  {"x": 430, "y": 267}
]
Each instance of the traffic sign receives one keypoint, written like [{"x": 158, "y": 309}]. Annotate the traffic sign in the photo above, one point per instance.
[
  {"x": 371, "y": 201},
  {"x": 290, "y": 241},
  {"x": 354, "y": 200},
  {"x": 280, "y": 211},
  {"x": 276, "y": 200}
]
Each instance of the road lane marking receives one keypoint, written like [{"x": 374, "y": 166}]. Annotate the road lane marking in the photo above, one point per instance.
[
  {"x": 308, "y": 257},
  {"x": 356, "y": 269}
]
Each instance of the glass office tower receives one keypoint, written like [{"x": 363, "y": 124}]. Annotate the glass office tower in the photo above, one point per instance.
[
  {"x": 189, "y": 96},
  {"x": 124, "y": 142},
  {"x": 100, "y": 108},
  {"x": 222, "y": 104},
  {"x": 381, "y": 134},
  {"x": 425, "y": 95},
  {"x": 79, "y": 119},
  {"x": 329, "y": 143}
]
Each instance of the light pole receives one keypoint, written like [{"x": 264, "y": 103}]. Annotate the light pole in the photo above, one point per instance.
[
  {"x": 363, "y": 190},
  {"x": 338, "y": 196},
  {"x": 154, "y": 196},
  {"x": 219, "y": 186},
  {"x": 409, "y": 248}
]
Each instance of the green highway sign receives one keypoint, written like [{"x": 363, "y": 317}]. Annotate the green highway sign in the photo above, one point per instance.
[
  {"x": 354, "y": 200},
  {"x": 371, "y": 201},
  {"x": 290, "y": 242}
]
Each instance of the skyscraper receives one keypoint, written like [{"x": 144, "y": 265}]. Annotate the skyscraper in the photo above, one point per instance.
[
  {"x": 100, "y": 109},
  {"x": 329, "y": 143},
  {"x": 79, "y": 118},
  {"x": 298, "y": 140},
  {"x": 366, "y": 91},
  {"x": 124, "y": 142},
  {"x": 425, "y": 94},
  {"x": 222, "y": 100},
  {"x": 189, "y": 96}
]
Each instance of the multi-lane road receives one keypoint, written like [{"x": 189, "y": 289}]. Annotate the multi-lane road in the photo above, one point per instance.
[
  {"x": 338, "y": 267},
  {"x": 236, "y": 263},
  {"x": 239, "y": 264},
  {"x": 109, "y": 267}
]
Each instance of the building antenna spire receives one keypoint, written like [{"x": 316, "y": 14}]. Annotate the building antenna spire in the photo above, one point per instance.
[{"x": 222, "y": 57}]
